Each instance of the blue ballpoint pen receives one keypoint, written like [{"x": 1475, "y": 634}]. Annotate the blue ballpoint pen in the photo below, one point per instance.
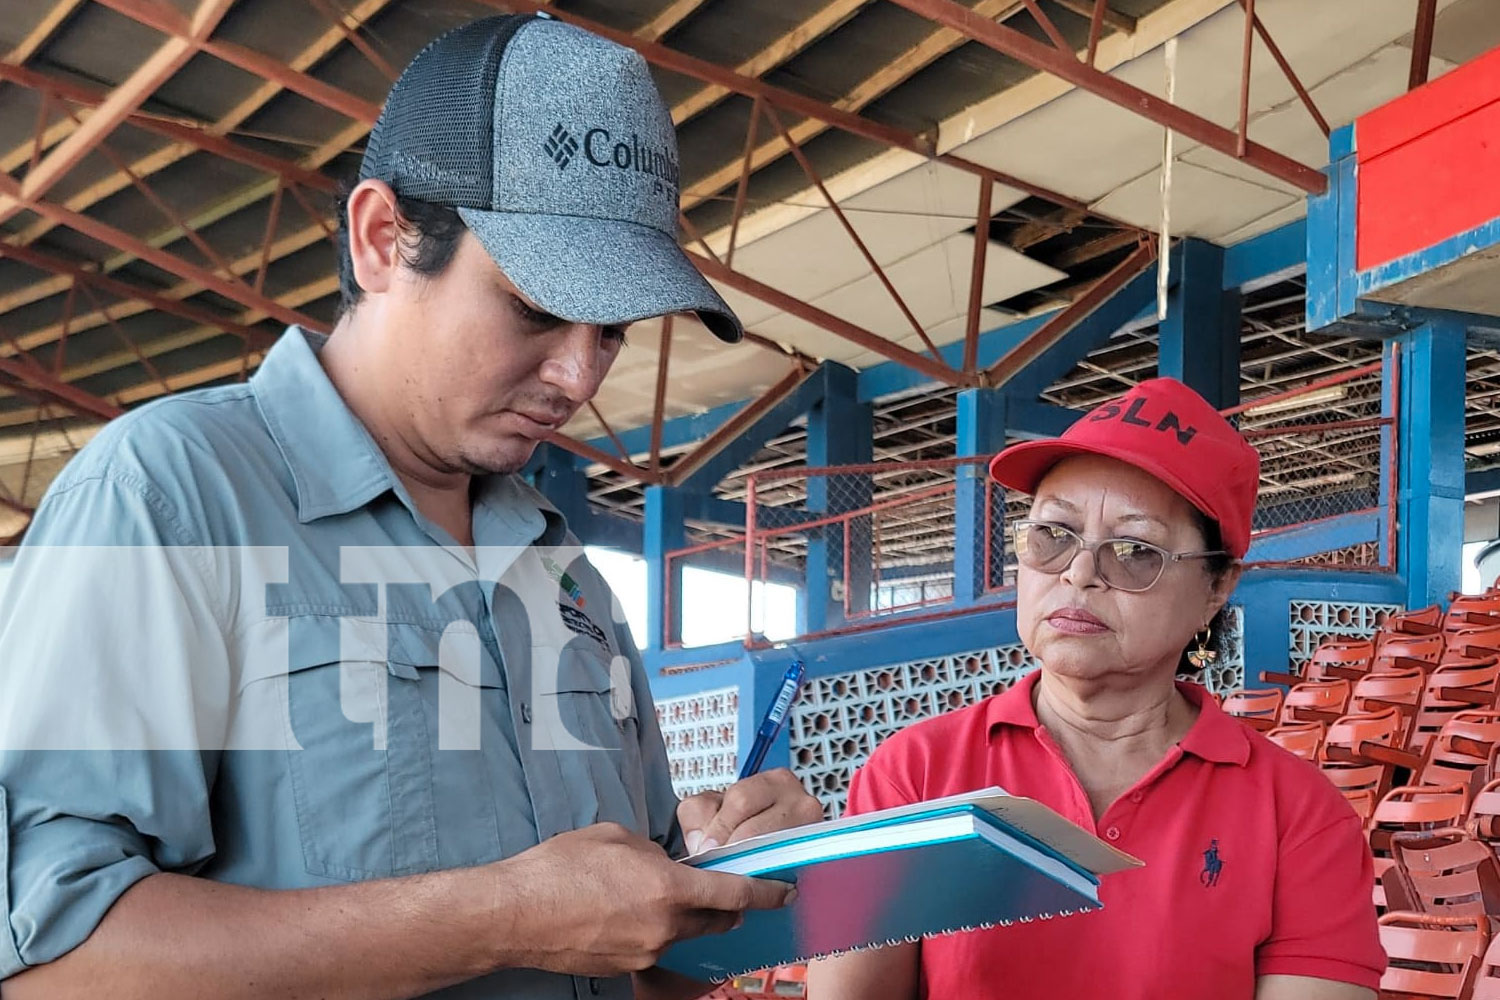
[{"x": 775, "y": 715}]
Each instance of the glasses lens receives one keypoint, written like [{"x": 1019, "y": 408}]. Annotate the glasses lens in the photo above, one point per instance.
[
  {"x": 1127, "y": 565},
  {"x": 1045, "y": 546}
]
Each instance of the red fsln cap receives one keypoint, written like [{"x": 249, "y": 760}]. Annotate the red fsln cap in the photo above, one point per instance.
[{"x": 1164, "y": 428}]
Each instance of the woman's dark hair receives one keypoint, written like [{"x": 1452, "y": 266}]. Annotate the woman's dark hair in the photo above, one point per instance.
[
  {"x": 429, "y": 238},
  {"x": 1217, "y": 566}
]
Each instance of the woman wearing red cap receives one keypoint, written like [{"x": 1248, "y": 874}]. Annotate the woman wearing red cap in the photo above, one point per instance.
[{"x": 1257, "y": 882}]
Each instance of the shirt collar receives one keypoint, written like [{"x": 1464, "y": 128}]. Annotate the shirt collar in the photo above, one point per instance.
[
  {"x": 1215, "y": 736},
  {"x": 335, "y": 463}
]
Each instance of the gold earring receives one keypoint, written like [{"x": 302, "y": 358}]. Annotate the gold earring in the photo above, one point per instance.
[{"x": 1203, "y": 656}]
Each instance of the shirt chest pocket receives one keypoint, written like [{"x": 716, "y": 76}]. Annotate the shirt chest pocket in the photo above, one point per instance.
[
  {"x": 388, "y": 765},
  {"x": 585, "y": 718}
]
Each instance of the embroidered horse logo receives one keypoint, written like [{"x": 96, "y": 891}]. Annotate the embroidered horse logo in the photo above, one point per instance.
[{"x": 1212, "y": 865}]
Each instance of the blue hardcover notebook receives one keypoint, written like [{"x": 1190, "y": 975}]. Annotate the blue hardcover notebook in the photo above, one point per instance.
[{"x": 971, "y": 861}]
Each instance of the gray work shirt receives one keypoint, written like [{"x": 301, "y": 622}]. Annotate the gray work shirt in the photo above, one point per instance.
[{"x": 232, "y": 647}]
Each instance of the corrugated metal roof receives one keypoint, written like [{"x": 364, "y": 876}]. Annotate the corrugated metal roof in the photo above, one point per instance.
[{"x": 867, "y": 56}]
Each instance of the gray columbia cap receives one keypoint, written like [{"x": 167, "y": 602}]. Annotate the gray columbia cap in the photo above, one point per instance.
[{"x": 556, "y": 149}]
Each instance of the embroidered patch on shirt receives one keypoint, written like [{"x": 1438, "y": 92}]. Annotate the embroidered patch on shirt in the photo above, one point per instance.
[
  {"x": 581, "y": 624},
  {"x": 565, "y": 581},
  {"x": 1212, "y": 865}
]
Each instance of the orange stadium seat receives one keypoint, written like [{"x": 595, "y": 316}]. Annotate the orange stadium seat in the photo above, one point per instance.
[
  {"x": 1487, "y": 983},
  {"x": 1396, "y": 650},
  {"x": 1316, "y": 701},
  {"x": 1430, "y": 956},
  {"x": 1462, "y": 751},
  {"x": 1301, "y": 738},
  {"x": 1361, "y": 785},
  {"x": 1257, "y": 709},
  {"x": 1444, "y": 872},
  {"x": 1456, "y": 685},
  {"x": 1423, "y": 621},
  {"x": 1331, "y": 659}
]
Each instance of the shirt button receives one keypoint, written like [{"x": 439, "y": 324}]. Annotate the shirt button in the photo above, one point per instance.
[
  {"x": 526, "y": 718},
  {"x": 1136, "y": 797},
  {"x": 594, "y": 986},
  {"x": 1113, "y": 833}
]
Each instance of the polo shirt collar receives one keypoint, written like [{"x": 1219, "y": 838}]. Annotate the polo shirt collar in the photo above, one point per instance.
[
  {"x": 1217, "y": 736},
  {"x": 1214, "y": 736}
]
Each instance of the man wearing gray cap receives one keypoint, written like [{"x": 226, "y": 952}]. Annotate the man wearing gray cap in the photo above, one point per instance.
[{"x": 302, "y": 692}]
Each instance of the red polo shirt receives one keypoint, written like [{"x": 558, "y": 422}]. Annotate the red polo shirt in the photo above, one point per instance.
[{"x": 1255, "y": 865}]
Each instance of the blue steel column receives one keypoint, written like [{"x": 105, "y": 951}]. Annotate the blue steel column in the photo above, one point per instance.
[
  {"x": 1200, "y": 338},
  {"x": 840, "y": 431},
  {"x": 664, "y": 532},
  {"x": 981, "y": 431},
  {"x": 1430, "y": 526}
]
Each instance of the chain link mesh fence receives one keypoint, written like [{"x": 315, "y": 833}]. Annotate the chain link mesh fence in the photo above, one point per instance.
[{"x": 1324, "y": 450}]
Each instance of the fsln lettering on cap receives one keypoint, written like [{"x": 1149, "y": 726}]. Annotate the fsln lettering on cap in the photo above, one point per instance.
[{"x": 1169, "y": 422}]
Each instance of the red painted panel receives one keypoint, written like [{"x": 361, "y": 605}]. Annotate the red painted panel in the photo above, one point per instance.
[
  {"x": 1438, "y": 182},
  {"x": 1463, "y": 90}
]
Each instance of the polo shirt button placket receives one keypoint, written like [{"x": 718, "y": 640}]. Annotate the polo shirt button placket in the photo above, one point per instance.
[
  {"x": 1136, "y": 797},
  {"x": 1113, "y": 833},
  {"x": 526, "y": 718},
  {"x": 594, "y": 985}
]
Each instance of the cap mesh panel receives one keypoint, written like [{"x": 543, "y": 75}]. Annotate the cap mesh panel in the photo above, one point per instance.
[{"x": 435, "y": 137}]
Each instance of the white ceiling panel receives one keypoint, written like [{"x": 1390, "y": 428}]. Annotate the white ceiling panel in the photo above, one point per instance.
[
  {"x": 1266, "y": 223},
  {"x": 1464, "y": 30},
  {"x": 1205, "y": 203},
  {"x": 1079, "y": 144},
  {"x": 1341, "y": 98},
  {"x": 895, "y": 219}
]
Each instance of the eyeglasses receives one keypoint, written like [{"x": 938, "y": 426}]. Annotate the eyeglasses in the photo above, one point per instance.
[{"x": 1124, "y": 563}]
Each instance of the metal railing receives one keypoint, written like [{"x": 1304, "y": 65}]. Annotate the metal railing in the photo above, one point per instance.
[{"x": 886, "y": 534}]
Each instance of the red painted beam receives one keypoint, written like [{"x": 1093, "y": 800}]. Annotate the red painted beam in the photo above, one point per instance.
[
  {"x": 19, "y": 508},
  {"x": 708, "y": 72},
  {"x": 1040, "y": 56},
  {"x": 976, "y": 276},
  {"x": 124, "y": 290},
  {"x": 1288, "y": 72},
  {"x": 203, "y": 139},
  {"x": 156, "y": 70},
  {"x": 1421, "y": 46},
  {"x": 234, "y": 290},
  {"x": 80, "y": 402},
  {"x": 313, "y": 89},
  {"x": 604, "y": 458},
  {"x": 828, "y": 321},
  {"x": 1096, "y": 28},
  {"x": 170, "y": 22},
  {"x": 659, "y": 406}
]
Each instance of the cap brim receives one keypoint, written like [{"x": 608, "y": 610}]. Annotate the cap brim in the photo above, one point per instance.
[
  {"x": 1024, "y": 466},
  {"x": 602, "y": 271}
]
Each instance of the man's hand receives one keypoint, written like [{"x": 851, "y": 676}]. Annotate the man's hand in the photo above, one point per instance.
[
  {"x": 603, "y": 901},
  {"x": 762, "y": 803}
]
